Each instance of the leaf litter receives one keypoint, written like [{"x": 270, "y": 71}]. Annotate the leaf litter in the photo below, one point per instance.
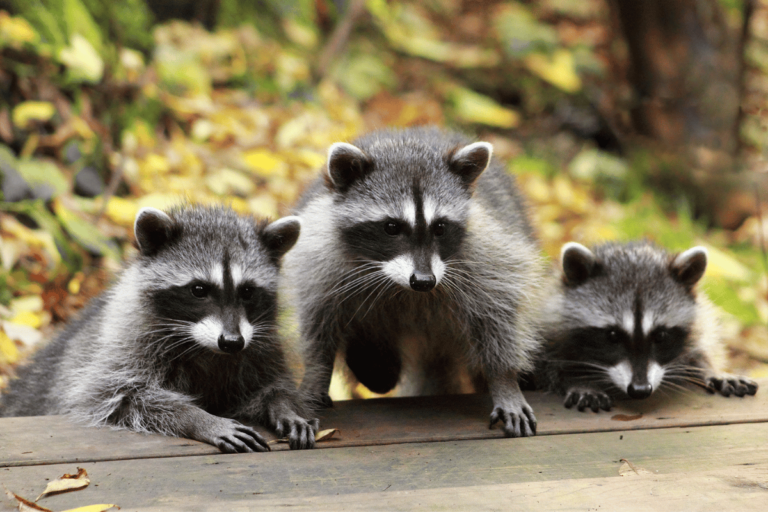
[{"x": 65, "y": 483}]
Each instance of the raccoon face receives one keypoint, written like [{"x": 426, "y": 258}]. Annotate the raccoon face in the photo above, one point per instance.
[
  {"x": 212, "y": 275},
  {"x": 633, "y": 308},
  {"x": 402, "y": 207}
]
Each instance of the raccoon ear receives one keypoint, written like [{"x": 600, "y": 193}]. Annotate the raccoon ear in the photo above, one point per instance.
[
  {"x": 153, "y": 229},
  {"x": 281, "y": 235},
  {"x": 578, "y": 262},
  {"x": 346, "y": 164},
  {"x": 689, "y": 266},
  {"x": 470, "y": 161}
]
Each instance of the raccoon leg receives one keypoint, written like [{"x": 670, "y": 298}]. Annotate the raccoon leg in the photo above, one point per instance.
[
  {"x": 375, "y": 363},
  {"x": 170, "y": 413},
  {"x": 584, "y": 397},
  {"x": 280, "y": 408},
  {"x": 317, "y": 374},
  {"x": 510, "y": 407},
  {"x": 725, "y": 384}
]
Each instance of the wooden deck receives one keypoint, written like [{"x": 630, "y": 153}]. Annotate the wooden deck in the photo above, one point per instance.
[{"x": 686, "y": 452}]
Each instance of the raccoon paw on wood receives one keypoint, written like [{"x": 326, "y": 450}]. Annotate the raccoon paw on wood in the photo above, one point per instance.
[
  {"x": 584, "y": 398},
  {"x": 229, "y": 436},
  {"x": 728, "y": 385},
  {"x": 300, "y": 432},
  {"x": 516, "y": 420}
]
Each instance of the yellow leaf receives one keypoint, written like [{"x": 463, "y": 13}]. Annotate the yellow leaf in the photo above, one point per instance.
[
  {"x": 263, "y": 205},
  {"x": 67, "y": 483},
  {"x": 9, "y": 353},
  {"x": 229, "y": 181},
  {"x": 32, "y": 303},
  {"x": 121, "y": 211},
  {"x": 473, "y": 107},
  {"x": 27, "y": 318},
  {"x": 722, "y": 264},
  {"x": 30, "y": 111},
  {"x": 559, "y": 69},
  {"x": 82, "y": 61},
  {"x": 326, "y": 434},
  {"x": 160, "y": 201},
  {"x": 263, "y": 161},
  {"x": 155, "y": 164},
  {"x": 16, "y": 30},
  {"x": 93, "y": 508}
]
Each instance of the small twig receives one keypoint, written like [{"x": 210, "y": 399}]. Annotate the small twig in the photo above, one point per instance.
[
  {"x": 339, "y": 37},
  {"x": 114, "y": 182},
  {"x": 759, "y": 211}
]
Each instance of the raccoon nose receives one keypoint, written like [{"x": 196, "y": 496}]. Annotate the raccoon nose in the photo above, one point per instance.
[
  {"x": 231, "y": 344},
  {"x": 422, "y": 282},
  {"x": 639, "y": 391}
]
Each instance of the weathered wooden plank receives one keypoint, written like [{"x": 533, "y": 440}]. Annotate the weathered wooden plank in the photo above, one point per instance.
[
  {"x": 51, "y": 440},
  {"x": 243, "y": 481},
  {"x": 743, "y": 488}
]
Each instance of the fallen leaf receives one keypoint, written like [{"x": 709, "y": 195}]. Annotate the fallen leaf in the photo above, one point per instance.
[
  {"x": 629, "y": 469},
  {"x": 24, "y": 504},
  {"x": 93, "y": 508},
  {"x": 326, "y": 434},
  {"x": 83, "y": 62},
  {"x": 9, "y": 354},
  {"x": 32, "y": 111},
  {"x": 473, "y": 107},
  {"x": 559, "y": 69},
  {"x": 626, "y": 417},
  {"x": 67, "y": 483}
]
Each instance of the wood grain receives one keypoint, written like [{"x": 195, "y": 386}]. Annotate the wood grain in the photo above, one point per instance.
[
  {"x": 246, "y": 481},
  {"x": 53, "y": 440}
]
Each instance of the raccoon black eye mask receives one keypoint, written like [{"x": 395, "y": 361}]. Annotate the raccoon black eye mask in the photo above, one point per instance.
[
  {"x": 185, "y": 342},
  {"x": 418, "y": 266},
  {"x": 628, "y": 321}
]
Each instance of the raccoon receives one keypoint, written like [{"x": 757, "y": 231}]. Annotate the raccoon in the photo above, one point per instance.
[
  {"x": 417, "y": 260},
  {"x": 626, "y": 321},
  {"x": 184, "y": 343}
]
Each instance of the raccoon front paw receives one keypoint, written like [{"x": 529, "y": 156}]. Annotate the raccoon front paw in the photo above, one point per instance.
[
  {"x": 584, "y": 398},
  {"x": 728, "y": 385},
  {"x": 516, "y": 421},
  {"x": 300, "y": 432},
  {"x": 233, "y": 437}
]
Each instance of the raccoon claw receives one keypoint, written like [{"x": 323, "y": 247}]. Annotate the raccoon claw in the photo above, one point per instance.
[
  {"x": 240, "y": 439},
  {"x": 728, "y": 385},
  {"x": 519, "y": 423},
  {"x": 584, "y": 398},
  {"x": 300, "y": 432}
]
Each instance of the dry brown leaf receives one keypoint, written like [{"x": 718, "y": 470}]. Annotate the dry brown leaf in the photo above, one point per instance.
[
  {"x": 24, "y": 504},
  {"x": 629, "y": 469},
  {"x": 67, "y": 483}
]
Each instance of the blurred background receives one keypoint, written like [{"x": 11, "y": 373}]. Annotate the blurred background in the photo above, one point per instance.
[{"x": 621, "y": 119}]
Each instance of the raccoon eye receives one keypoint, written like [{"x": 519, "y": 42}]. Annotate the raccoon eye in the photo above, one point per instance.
[
  {"x": 199, "y": 290},
  {"x": 613, "y": 335},
  {"x": 439, "y": 229},
  {"x": 661, "y": 336},
  {"x": 392, "y": 228},
  {"x": 246, "y": 292}
]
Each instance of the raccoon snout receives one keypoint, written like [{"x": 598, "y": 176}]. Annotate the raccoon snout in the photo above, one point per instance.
[
  {"x": 231, "y": 343},
  {"x": 422, "y": 282},
  {"x": 639, "y": 391}
]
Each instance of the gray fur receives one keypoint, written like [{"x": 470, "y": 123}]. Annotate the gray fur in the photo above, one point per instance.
[
  {"x": 480, "y": 318},
  {"x": 120, "y": 364},
  {"x": 630, "y": 314}
]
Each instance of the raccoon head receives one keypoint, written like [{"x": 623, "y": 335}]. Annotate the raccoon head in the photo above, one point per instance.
[
  {"x": 401, "y": 201},
  {"x": 631, "y": 310},
  {"x": 210, "y": 276}
]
